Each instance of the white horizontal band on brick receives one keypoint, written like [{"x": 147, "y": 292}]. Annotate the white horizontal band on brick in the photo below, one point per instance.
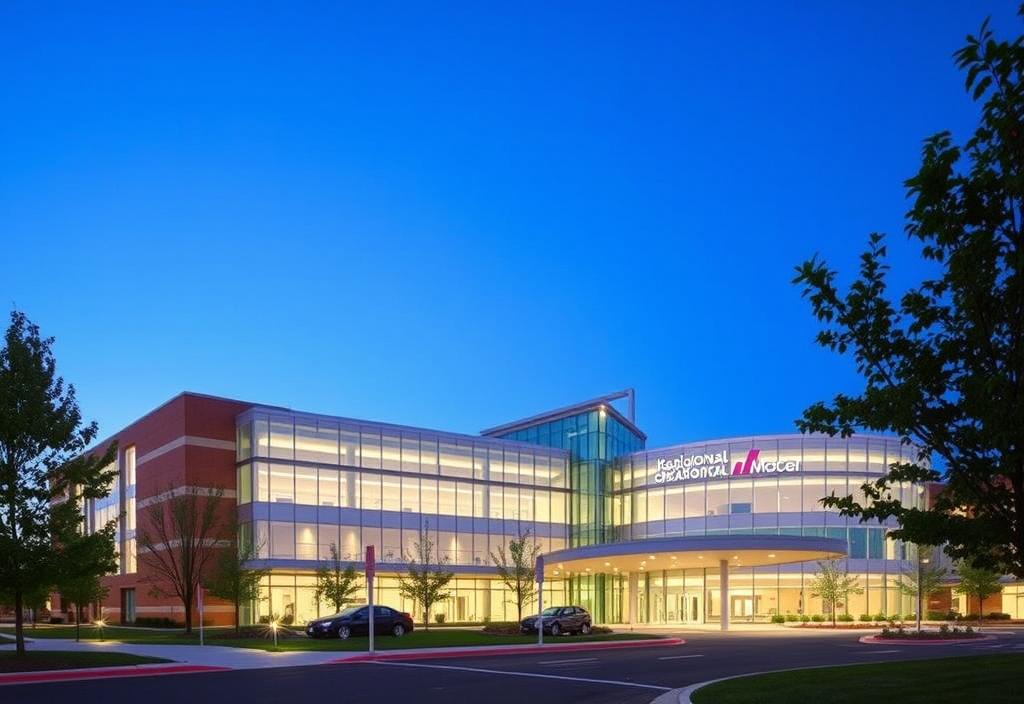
[
  {"x": 180, "y": 491},
  {"x": 178, "y": 609},
  {"x": 195, "y": 440},
  {"x": 209, "y": 543}
]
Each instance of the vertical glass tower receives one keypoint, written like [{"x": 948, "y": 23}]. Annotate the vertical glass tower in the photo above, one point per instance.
[{"x": 595, "y": 433}]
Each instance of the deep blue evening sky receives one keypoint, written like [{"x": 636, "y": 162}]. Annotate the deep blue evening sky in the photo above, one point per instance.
[{"x": 457, "y": 215}]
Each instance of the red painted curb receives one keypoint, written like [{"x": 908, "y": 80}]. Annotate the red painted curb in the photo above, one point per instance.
[
  {"x": 874, "y": 640},
  {"x": 512, "y": 650},
  {"x": 102, "y": 672}
]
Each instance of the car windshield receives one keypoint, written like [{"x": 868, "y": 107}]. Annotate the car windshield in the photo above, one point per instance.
[
  {"x": 551, "y": 610},
  {"x": 349, "y": 611}
]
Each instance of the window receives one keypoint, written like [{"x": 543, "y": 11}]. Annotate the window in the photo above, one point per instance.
[
  {"x": 411, "y": 494},
  {"x": 391, "y": 493},
  {"x": 428, "y": 496},
  {"x": 328, "y": 480},
  {"x": 391, "y": 452},
  {"x": 369, "y": 487},
  {"x": 282, "y": 483},
  {"x": 446, "y": 498},
  {"x": 281, "y": 440},
  {"x": 282, "y": 540},
  {"x": 369, "y": 447},
  {"x": 316, "y": 442},
  {"x": 305, "y": 541},
  {"x": 428, "y": 455},
  {"x": 244, "y": 483},
  {"x": 349, "y": 489},
  {"x": 129, "y": 466},
  {"x": 349, "y": 448},
  {"x": 262, "y": 482},
  {"x": 410, "y": 453},
  {"x": 327, "y": 535},
  {"x": 305, "y": 486}
]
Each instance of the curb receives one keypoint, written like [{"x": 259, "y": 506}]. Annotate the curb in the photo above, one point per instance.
[
  {"x": 875, "y": 640},
  {"x": 95, "y": 673},
  {"x": 509, "y": 650}
]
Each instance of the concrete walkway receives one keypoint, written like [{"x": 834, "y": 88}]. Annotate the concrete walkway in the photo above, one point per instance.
[{"x": 251, "y": 658}]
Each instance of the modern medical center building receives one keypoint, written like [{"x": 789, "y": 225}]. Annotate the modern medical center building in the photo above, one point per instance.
[{"x": 703, "y": 532}]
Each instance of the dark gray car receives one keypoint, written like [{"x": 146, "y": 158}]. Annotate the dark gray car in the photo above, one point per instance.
[{"x": 559, "y": 620}]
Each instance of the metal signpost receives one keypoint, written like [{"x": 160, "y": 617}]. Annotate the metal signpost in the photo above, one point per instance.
[
  {"x": 540, "y": 599},
  {"x": 370, "y": 569},
  {"x": 200, "y": 614}
]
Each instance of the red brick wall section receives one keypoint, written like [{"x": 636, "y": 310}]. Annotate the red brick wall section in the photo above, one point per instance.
[{"x": 195, "y": 416}]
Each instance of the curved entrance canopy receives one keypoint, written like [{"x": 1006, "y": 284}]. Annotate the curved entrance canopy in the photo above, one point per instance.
[{"x": 710, "y": 551}]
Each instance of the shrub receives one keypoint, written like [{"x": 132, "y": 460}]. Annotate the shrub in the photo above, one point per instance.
[
  {"x": 845, "y": 618},
  {"x": 56, "y": 619},
  {"x": 778, "y": 618},
  {"x": 804, "y": 618},
  {"x": 998, "y": 616},
  {"x": 792, "y": 617},
  {"x": 865, "y": 618},
  {"x": 157, "y": 622},
  {"x": 895, "y": 618},
  {"x": 968, "y": 630},
  {"x": 910, "y": 617},
  {"x": 439, "y": 618},
  {"x": 502, "y": 628},
  {"x": 880, "y": 616},
  {"x": 941, "y": 616},
  {"x": 818, "y": 618},
  {"x": 944, "y": 629}
]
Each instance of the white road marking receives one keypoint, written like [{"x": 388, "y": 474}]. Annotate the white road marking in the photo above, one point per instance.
[
  {"x": 565, "y": 662},
  {"x": 679, "y": 657},
  {"x": 876, "y": 652},
  {"x": 526, "y": 674}
]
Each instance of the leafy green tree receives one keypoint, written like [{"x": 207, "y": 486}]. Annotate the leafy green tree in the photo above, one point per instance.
[
  {"x": 977, "y": 582},
  {"x": 178, "y": 539},
  {"x": 944, "y": 367},
  {"x": 45, "y": 473},
  {"x": 517, "y": 568},
  {"x": 922, "y": 577},
  {"x": 833, "y": 585},
  {"x": 231, "y": 579},
  {"x": 86, "y": 559},
  {"x": 425, "y": 579},
  {"x": 336, "y": 582}
]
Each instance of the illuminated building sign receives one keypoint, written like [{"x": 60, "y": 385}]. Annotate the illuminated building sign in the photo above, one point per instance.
[{"x": 716, "y": 466}]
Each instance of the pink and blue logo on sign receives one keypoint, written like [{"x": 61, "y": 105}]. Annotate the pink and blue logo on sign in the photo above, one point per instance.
[{"x": 744, "y": 467}]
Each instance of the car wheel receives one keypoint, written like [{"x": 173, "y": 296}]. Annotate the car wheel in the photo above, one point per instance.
[
  {"x": 585, "y": 629},
  {"x": 556, "y": 630},
  {"x": 344, "y": 632},
  {"x": 398, "y": 630}
]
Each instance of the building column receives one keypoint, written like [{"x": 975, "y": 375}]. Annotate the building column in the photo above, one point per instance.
[
  {"x": 723, "y": 592},
  {"x": 633, "y": 596}
]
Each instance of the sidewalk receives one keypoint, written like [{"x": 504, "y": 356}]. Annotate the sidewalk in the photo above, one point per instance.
[{"x": 195, "y": 658}]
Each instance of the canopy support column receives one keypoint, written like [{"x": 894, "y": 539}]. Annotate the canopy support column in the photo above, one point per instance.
[{"x": 723, "y": 592}]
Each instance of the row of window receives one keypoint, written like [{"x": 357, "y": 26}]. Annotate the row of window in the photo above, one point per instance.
[
  {"x": 738, "y": 496},
  {"x": 329, "y": 442},
  {"x": 310, "y": 541},
  {"x": 327, "y": 486}
]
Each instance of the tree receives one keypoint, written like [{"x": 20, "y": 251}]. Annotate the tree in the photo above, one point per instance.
[
  {"x": 336, "y": 584},
  {"x": 944, "y": 368},
  {"x": 177, "y": 542},
  {"x": 231, "y": 579},
  {"x": 86, "y": 559},
  {"x": 922, "y": 578},
  {"x": 977, "y": 582},
  {"x": 517, "y": 568},
  {"x": 422, "y": 583},
  {"x": 45, "y": 472},
  {"x": 832, "y": 585}
]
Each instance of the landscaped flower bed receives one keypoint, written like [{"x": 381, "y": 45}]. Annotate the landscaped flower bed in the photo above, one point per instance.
[{"x": 943, "y": 633}]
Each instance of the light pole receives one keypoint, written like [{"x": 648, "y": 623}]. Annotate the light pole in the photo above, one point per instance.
[
  {"x": 921, "y": 561},
  {"x": 273, "y": 627}
]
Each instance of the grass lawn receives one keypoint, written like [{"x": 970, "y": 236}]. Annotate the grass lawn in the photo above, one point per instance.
[
  {"x": 985, "y": 679},
  {"x": 58, "y": 660},
  {"x": 448, "y": 637}
]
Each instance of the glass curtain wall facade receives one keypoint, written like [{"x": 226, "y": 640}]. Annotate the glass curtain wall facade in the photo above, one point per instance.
[
  {"x": 647, "y": 505},
  {"x": 593, "y": 438},
  {"x": 305, "y": 482}
]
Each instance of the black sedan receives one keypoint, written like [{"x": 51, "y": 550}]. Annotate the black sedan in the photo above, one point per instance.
[
  {"x": 559, "y": 620},
  {"x": 355, "y": 621}
]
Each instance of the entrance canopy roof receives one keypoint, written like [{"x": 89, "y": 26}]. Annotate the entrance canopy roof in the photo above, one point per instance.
[{"x": 690, "y": 552}]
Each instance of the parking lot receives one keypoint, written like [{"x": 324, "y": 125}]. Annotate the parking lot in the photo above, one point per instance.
[{"x": 601, "y": 676}]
